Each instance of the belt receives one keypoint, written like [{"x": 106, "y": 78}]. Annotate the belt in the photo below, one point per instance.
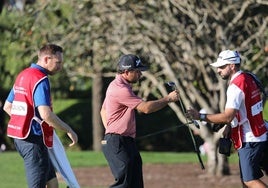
[{"x": 125, "y": 138}]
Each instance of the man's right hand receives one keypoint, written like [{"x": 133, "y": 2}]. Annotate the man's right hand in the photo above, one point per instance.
[{"x": 174, "y": 96}]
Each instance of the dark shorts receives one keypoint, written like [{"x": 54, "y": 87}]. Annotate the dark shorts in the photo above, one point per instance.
[
  {"x": 250, "y": 156},
  {"x": 38, "y": 166}
]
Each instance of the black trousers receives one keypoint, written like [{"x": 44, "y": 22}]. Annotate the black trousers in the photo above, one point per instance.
[{"x": 124, "y": 160}]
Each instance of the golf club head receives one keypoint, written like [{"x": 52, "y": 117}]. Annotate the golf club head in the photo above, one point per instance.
[{"x": 172, "y": 85}]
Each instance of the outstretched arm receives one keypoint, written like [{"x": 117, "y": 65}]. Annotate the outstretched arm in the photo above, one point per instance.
[
  {"x": 155, "y": 105},
  {"x": 225, "y": 117}
]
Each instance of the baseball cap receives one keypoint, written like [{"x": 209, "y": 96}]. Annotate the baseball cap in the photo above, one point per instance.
[
  {"x": 131, "y": 62},
  {"x": 227, "y": 57}
]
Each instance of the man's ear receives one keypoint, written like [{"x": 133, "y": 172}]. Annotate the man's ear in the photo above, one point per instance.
[
  {"x": 232, "y": 66},
  {"x": 45, "y": 59}
]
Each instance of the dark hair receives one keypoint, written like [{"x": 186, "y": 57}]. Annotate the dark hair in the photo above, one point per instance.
[
  {"x": 238, "y": 65},
  {"x": 120, "y": 71},
  {"x": 50, "y": 49}
]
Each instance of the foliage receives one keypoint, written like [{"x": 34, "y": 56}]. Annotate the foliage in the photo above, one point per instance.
[
  {"x": 180, "y": 35},
  {"x": 21, "y": 37}
]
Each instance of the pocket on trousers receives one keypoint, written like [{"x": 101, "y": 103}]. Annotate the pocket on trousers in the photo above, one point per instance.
[
  {"x": 115, "y": 144},
  {"x": 111, "y": 143}
]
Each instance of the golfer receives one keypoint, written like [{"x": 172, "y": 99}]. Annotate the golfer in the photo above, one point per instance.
[{"x": 118, "y": 116}]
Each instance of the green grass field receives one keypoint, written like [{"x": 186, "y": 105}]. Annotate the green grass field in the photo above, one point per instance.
[{"x": 12, "y": 173}]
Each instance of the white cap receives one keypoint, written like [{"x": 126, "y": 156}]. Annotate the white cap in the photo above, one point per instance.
[{"x": 227, "y": 57}]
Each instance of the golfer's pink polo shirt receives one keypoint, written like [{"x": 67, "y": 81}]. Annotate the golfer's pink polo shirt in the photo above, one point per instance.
[{"x": 120, "y": 103}]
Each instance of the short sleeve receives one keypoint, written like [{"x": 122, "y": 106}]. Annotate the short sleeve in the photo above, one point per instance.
[
  {"x": 10, "y": 96},
  {"x": 42, "y": 94},
  {"x": 235, "y": 96}
]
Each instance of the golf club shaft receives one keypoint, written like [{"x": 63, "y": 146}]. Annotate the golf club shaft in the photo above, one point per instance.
[
  {"x": 190, "y": 130},
  {"x": 192, "y": 136}
]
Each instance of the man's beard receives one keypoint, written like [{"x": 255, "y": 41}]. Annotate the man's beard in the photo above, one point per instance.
[{"x": 225, "y": 77}]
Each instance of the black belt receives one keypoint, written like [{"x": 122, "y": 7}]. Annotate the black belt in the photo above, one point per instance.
[{"x": 126, "y": 138}]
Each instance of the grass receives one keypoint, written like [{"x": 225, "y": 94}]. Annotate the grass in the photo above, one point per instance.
[
  {"x": 265, "y": 111},
  {"x": 12, "y": 170}
]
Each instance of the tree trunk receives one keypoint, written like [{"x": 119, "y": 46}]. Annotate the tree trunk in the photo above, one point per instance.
[
  {"x": 217, "y": 164},
  {"x": 212, "y": 157},
  {"x": 96, "y": 106}
]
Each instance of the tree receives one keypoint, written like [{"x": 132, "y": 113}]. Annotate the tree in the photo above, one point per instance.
[
  {"x": 184, "y": 37},
  {"x": 178, "y": 37}
]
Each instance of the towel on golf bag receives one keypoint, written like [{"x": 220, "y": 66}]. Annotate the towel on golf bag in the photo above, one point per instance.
[{"x": 61, "y": 163}]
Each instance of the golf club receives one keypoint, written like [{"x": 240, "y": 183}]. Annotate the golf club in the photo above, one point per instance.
[{"x": 174, "y": 87}]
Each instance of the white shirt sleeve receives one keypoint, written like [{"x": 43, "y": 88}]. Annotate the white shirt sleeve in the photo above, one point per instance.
[{"x": 235, "y": 97}]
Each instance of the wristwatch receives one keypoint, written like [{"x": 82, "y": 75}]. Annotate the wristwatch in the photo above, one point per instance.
[{"x": 202, "y": 117}]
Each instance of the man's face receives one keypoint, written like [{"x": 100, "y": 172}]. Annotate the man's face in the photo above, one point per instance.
[
  {"x": 54, "y": 63},
  {"x": 225, "y": 71},
  {"x": 133, "y": 76}
]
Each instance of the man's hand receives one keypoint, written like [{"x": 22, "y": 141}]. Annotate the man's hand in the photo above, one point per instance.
[
  {"x": 73, "y": 136},
  {"x": 192, "y": 114},
  {"x": 174, "y": 96}
]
